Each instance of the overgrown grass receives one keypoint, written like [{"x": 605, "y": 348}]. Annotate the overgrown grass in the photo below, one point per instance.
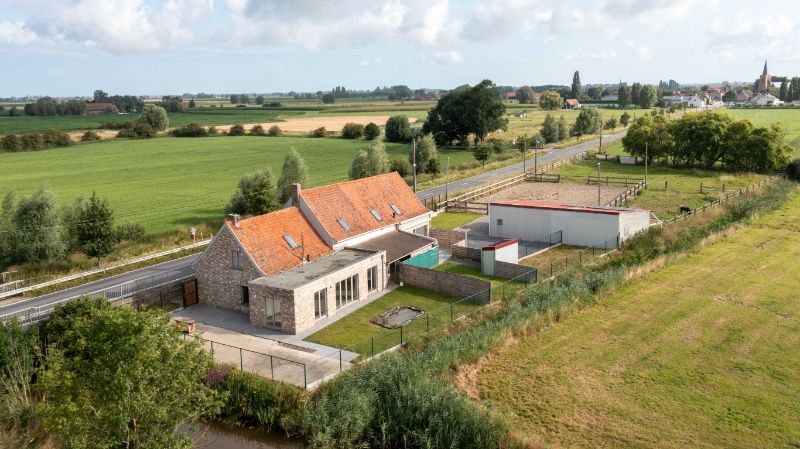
[
  {"x": 452, "y": 220},
  {"x": 502, "y": 288}
]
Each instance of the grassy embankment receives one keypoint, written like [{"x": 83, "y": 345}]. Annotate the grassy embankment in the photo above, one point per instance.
[{"x": 702, "y": 353}]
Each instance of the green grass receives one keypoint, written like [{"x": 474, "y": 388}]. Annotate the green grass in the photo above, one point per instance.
[
  {"x": 355, "y": 332},
  {"x": 789, "y": 118},
  {"x": 683, "y": 184},
  {"x": 703, "y": 353},
  {"x": 452, "y": 220},
  {"x": 501, "y": 287},
  {"x": 558, "y": 259},
  {"x": 169, "y": 182}
]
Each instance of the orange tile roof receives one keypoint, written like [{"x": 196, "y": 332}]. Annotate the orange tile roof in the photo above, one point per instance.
[
  {"x": 353, "y": 201},
  {"x": 572, "y": 101},
  {"x": 262, "y": 238}
]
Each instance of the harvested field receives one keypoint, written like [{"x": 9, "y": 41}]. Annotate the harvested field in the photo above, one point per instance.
[{"x": 573, "y": 194}]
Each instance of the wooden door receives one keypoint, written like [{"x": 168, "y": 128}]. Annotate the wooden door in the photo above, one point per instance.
[{"x": 190, "y": 293}]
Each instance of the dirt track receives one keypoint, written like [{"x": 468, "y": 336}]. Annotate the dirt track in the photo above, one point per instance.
[{"x": 572, "y": 194}]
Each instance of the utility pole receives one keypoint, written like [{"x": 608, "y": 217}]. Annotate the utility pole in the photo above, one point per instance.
[
  {"x": 414, "y": 162},
  {"x": 598, "y": 183},
  {"x": 446, "y": 178},
  {"x": 645, "y": 163},
  {"x": 601, "y": 141}
]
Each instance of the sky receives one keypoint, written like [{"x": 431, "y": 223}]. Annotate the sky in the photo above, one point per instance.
[{"x": 72, "y": 47}]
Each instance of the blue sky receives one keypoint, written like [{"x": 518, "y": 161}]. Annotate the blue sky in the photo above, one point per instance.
[{"x": 71, "y": 47}]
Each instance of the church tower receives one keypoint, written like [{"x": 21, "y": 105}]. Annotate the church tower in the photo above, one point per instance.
[{"x": 765, "y": 80}]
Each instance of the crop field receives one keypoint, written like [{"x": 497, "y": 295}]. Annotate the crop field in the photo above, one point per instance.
[
  {"x": 168, "y": 182},
  {"x": 532, "y": 123},
  {"x": 682, "y": 184},
  {"x": 703, "y": 353}
]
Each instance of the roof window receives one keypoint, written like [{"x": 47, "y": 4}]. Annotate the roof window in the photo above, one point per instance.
[
  {"x": 395, "y": 209},
  {"x": 344, "y": 224},
  {"x": 290, "y": 241},
  {"x": 376, "y": 214}
]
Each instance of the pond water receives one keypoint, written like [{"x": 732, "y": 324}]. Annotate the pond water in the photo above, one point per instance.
[{"x": 218, "y": 436}]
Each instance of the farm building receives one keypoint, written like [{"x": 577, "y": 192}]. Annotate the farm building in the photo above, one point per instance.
[
  {"x": 332, "y": 246},
  {"x": 579, "y": 225}
]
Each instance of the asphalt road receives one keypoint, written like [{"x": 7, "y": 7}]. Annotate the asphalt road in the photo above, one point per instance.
[
  {"x": 484, "y": 178},
  {"x": 455, "y": 186},
  {"x": 97, "y": 285}
]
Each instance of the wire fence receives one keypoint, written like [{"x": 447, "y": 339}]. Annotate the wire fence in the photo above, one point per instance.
[
  {"x": 574, "y": 257},
  {"x": 729, "y": 196}
]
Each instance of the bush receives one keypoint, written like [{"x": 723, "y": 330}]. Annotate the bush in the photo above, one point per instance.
[
  {"x": 190, "y": 130},
  {"x": 433, "y": 166},
  {"x": 793, "y": 170},
  {"x": 212, "y": 131},
  {"x": 257, "y": 130},
  {"x": 319, "y": 132},
  {"x": 137, "y": 130},
  {"x": 132, "y": 232},
  {"x": 236, "y": 130},
  {"x": 90, "y": 136},
  {"x": 56, "y": 138},
  {"x": 401, "y": 166},
  {"x": 398, "y": 129},
  {"x": 371, "y": 131},
  {"x": 32, "y": 142},
  {"x": 253, "y": 401},
  {"x": 155, "y": 116},
  {"x": 274, "y": 131},
  {"x": 12, "y": 143},
  {"x": 116, "y": 125},
  {"x": 352, "y": 131}
]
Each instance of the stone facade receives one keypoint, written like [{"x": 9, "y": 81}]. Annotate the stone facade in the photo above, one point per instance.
[
  {"x": 297, "y": 306},
  {"x": 219, "y": 284}
]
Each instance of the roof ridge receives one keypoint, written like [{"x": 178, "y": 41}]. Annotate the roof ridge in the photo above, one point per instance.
[{"x": 351, "y": 181}]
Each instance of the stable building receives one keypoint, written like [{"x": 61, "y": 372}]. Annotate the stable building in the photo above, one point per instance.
[{"x": 536, "y": 221}]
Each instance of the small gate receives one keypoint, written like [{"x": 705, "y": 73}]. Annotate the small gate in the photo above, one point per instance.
[{"x": 190, "y": 293}]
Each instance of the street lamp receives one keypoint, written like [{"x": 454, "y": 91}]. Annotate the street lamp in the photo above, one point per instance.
[{"x": 598, "y": 183}]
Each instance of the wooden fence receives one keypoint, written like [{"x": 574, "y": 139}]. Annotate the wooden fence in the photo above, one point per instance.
[{"x": 623, "y": 197}]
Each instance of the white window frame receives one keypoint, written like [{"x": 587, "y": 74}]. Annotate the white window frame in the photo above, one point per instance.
[{"x": 321, "y": 303}]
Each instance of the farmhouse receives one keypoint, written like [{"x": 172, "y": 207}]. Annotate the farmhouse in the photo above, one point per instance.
[
  {"x": 93, "y": 108},
  {"x": 572, "y": 103},
  {"x": 602, "y": 227},
  {"x": 330, "y": 247},
  {"x": 766, "y": 100}
]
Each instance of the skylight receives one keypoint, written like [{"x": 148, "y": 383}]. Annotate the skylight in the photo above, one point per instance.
[
  {"x": 344, "y": 225},
  {"x": 376, "y": 214},
  {"x": 290, "y": 241},
  {"x": 395, "y": 209}
]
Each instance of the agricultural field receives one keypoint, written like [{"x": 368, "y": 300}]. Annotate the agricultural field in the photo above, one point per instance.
[
  {"x": 532, "y": 123},
  {"x": 668, "y": 187},
  {"x": 789, "y": 118},
  {"x": 173, "y": 182},
  {"x": 702, "y": 353}
]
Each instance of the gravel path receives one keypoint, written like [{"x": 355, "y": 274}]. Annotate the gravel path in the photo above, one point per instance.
[{"x": 563, "y": 193}]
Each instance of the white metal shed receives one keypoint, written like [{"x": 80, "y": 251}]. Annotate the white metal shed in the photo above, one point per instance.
[{"x": 601, "y": 227}]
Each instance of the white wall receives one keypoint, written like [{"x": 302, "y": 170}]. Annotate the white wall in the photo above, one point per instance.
[
  {"x": 508, "y": 253},
  {"x": 632, "y": 223}
]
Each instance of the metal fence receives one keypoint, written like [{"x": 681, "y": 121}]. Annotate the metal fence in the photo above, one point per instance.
[
  {"x": 732, "y": 194},
  {"x": 38, "y": 313}
]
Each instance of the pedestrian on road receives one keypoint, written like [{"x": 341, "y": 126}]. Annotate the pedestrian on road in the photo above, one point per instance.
[{"x": 192, "y": 233}]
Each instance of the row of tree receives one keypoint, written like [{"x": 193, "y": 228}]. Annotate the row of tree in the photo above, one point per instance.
[
  {"x": 643, "y": 96},
  {"x": 707, "y": 139},
  {"x": 790, "y": 89},
  {"x": 47, "y": 106},
  {"x": 52, "y": 138},
  {"x": 125, "y": 103}
]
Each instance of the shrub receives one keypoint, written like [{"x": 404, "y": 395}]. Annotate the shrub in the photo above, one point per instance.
[
  {"x": 398, "y": 129},
  {"x": 371, "y": 131},
  {"x": 319, "y": 132},
  {"x": 155, "y": 116},
  {"x": 236, "y": 130},
  {"x": 12, "y": 143},
  {"x": 257, "y": 130},
  {"x": 433, "y": 166},
  {"x": 116, "y": 125},
  {"x": 274, "y": 131},
  {"x": 56, "y": 138},
  {"x": 132, "y": 232},
  {"x": 190, "y": 130},
  {"x": 90, "y": 136},
  {"x": 401, "y": 166},
  {"x": 352, "y": 131},
  {"x": 137, "y": 130},
  {"x": 253, "y": 401},
  {"x": 32, "y": 142},
  {"x": 212, "y": 131},
  {"x": 793, "y": 170}
]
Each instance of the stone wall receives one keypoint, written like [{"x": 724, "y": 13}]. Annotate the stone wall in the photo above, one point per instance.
[
  {"x": 463, "y": 252},
  {"x": 514, "y": 271},
  {"x": 218, "y": 283},
  {"x": 448, "y": 239},
  {"x": 456, "y": 285}
]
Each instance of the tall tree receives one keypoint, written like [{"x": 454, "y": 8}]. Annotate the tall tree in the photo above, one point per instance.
[
  {"x": 294, "y": 171},
  {"x": 155, "y": 116},
  {"x": 587, "y": 122},
  {"x": 37, "y": 229},
  {"x": 95, "y": 228},
  {"x": 525, "y": 95},
  {"x": 623, "y": 95},
  {"x": 426, "y": 150},
  {"x": 636, "y": 89},
  {"x": 563, "y": 131},
  {"x": 377, "y": 159},
  {"x": 549, "y": 130},
  {"x": 784, "y": 91},
  {"x": 7, "y": 240},
  {"x": 551, "y": 101},
  {"x": 482, "y": 153},
  {"x": 234, "y": 99},
  {"x": 256, "y": 194},
  {"x": 577, "y": 91},
  {"x": 359, "y": 168},
  {"x": 398, "y": 129},
  {"x": 647, "y": 96},
  {"x": 467, "y": 111}
]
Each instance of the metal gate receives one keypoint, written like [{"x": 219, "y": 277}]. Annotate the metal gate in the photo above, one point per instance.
[{"x": 190, "y": 293}]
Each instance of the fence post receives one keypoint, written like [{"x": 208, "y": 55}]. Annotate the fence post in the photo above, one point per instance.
[
  {"x": 340, "y": 360},
  {"x": 372, "y": 346},
  {"x": 212, "y": 349},
  {"x": 551, "y": 269},
  {"x": 451, "y": 311},
  {"x": 401, "y": 335},
  {"x": 271, "y": 367},
  {"x": 305, "y": 377},
  {"x": 427, "y": 322},
  {"x": 241, "y": 360},
  {"x": 701, "y": 186}
]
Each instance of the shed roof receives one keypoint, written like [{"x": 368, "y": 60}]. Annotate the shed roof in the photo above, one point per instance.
[
  {"x": 263, "y": 237},
  {"x": 351, "y": 203},
  {"x": 563, "y": 207},
  {"x": 397, "y": 244}
]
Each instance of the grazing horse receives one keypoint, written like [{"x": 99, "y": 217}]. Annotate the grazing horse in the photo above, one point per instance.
[{"x": 685, "y": 210}]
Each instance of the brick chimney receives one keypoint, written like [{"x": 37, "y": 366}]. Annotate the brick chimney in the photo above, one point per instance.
[
  {"x": 234, "y": 218},
  {"x": 294, "y": 191}
]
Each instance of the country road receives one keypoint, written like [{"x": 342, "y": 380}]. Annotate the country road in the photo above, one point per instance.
[{"x": 455, "y": 186}]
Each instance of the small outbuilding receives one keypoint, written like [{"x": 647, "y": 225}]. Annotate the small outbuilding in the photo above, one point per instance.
[
  {"x": 600, "y": 227},
  {"x": 503, "y": 251}
]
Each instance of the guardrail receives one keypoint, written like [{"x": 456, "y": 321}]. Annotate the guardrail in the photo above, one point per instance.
[
  {"x": 35, "y": 314},
  {"x": 72, "y": 277}
]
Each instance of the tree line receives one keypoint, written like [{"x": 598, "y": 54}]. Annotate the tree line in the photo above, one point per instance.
[{"x": 707, "y": 139}]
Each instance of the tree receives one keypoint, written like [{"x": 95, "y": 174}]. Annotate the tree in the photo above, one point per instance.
[
  {"x": 257, "y": 130},
  {"x": 623, "y": 96},
  {"x": 352, "y": 131},
  {"x": 328, "y": 98},
  {"x": 236, "y": 130},
  {"x": 192, "y": 104},
  {"x": 729, "y": 96},
  {"x": 37, "y": 232},
  {"x": 466, "y": 111},
  {"x": 95, "y": 228},
  {"x": 377, "y": 159},
  {"x": 647, "y": 96},
  {"x": 274, "y": 131},
  {"x": 13, "y": 112},
  {"x": 244, "y": 99},
  {"x": 525, "y": 95},
  {"x": 549, "y": 130},
  {"x": 100, "y": 96},
  {"x": 610, "y": 123},
  {"x": 587, "y": 122},
  {"x": 371, "y": 131},
  {"x": 482, "y": 153},
  {"x": 576, "y": 92},
  {"x": 148, "y": 381},
  {"x": 155, "y": 116},
  {"x": 563, "y": 131},
  {"x": 624, "y": 119},
  {"x": 398, "y": 129},
  {"x": 399, "y": 93},
  {"x": 359, "y": 167},
  {"x": 11, "y": 143},
  {"x": 7, "y": 240},
  {"x": 294, "y": 171},
  {"x": 319, "y": 132},
  {"x": 426, "y": 150},
  {"x": 636, "y": 89},
  {"x": 401, "y": 166},
  {"x": 255, "y": 195},
  {"x": 649, "y": 134},
  {"x": 784, "y": 91},
  {"x": 234, "y": 99},
  {"x": 259, "y": 99},
  {"x": 551, "y": 101}
]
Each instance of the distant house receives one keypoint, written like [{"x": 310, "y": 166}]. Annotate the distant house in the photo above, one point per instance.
[
  {"x": 610, "y": 98},
  {"x": 714, "y": 94},
  {"x": 766, "y": 100},
  {"x": 744, "y": 95},
  {"x": 93, "y": 108},
  {"x": 690, "y": 101},
  {"x": 184, "y": 104},
  {"x": 512, "y": 95},
  {"x": 572, "y": 103}
]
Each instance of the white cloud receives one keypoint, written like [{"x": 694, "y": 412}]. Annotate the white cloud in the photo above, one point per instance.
[
  {"x": 644, "y": 53},
  {"x": 369, "y": 62},
  {"x": 447, "y": 57},
  {"x": 16, "y": 33}
]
